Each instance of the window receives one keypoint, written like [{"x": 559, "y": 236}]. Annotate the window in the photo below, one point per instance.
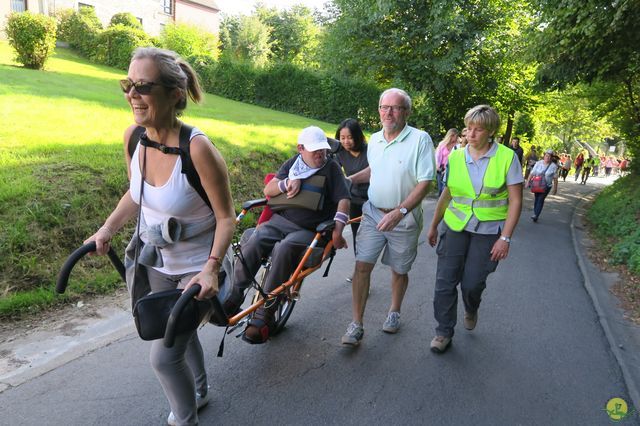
[
  {"x": 85, "y": 6},
  {"x": 167, "y": 6},
  {"x": 18, "y": 5}
]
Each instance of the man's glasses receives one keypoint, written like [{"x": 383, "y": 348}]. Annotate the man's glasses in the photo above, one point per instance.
[
  {"x": 392, "y": 108},
  {"x": 142, "y": 87}
]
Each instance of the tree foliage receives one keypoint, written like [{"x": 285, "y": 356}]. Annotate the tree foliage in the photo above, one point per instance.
[
  {"x": 563, "y": 117},
  {"x": 245, "y": 38},
  {"x": 125, "y": 18},
  {"x": 455, "y": 53},
  {"x": 594, "y": 41},
  {"x": 188, "y": 40},
  {"x": 293, "y": 35}
]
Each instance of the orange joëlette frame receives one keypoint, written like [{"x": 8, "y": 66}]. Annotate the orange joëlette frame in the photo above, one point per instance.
[{"x": 298, "y": 275}]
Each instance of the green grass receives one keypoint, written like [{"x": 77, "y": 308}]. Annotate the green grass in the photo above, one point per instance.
[
  {"x": 62, "y": 168},
  {"x": 615, "y": 216}
]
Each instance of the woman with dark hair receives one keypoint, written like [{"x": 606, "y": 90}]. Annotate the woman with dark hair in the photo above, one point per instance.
[
  {"x": 157, "y": 87},
  {"x": 352, "y": 156}
]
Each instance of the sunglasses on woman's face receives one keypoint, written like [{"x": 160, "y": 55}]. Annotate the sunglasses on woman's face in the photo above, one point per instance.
[{"x": 142, "y": 87}]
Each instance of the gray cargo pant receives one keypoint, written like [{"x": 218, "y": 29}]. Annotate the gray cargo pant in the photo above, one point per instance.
[{"x": 465, "y": 258}]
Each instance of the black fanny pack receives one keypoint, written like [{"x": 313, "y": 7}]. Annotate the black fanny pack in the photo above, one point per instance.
[{"x": 152, "y": 311}]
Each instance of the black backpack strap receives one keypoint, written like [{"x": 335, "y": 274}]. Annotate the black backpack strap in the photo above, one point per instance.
[
  {"x": 134, "y": 138},
  {"x": 187, "y": 165}
]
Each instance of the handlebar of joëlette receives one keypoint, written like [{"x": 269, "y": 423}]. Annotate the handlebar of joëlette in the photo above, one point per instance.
[{"x": 65, "y": 271}]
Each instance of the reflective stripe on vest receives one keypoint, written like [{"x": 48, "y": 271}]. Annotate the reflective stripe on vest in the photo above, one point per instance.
[{"x": 493, "y": 201}]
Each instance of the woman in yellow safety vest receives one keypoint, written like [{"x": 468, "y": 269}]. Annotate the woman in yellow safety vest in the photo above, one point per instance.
[{"x": 480, "y": 205}]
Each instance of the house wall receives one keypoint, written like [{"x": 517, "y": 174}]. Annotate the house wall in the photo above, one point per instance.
[
  {"x": 150, "y": 11},
  {"x": 199, "y": 16}
]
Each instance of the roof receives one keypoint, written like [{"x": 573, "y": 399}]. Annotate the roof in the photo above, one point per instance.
[{"x": 211, "y": 4}]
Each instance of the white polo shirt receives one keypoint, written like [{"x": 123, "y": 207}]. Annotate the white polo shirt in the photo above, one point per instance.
[{"x": 398, "y": 165}]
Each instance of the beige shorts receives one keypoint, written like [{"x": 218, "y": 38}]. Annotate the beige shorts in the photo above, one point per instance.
[{"x": 400, "y": 245}]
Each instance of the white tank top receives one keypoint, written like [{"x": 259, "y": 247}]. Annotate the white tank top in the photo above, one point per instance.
[{"x": 176, "y": 198}]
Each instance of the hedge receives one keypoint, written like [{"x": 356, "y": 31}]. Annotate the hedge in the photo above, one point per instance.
[
  {"x": 288, "y": 88},
  {"x": 81, "y": 30},
  {"x": 116, "y": 44}
]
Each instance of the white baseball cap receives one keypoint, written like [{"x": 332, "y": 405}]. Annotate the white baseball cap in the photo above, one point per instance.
[{"x": 313, "y": 139}]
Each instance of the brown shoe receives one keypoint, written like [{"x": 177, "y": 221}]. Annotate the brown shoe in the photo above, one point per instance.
[
  {"x": 259, "y": 328},
  {"x": 440, "y": 344},
  {"x": 470, "y": 320}
]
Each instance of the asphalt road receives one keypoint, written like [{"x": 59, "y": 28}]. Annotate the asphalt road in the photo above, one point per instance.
[{"x": 541, "y": 354}]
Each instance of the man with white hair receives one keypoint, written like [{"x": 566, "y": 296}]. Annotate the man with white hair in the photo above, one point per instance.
[
  {"x": 401, "y": 167},
  {"x": 292, "y": 227}
]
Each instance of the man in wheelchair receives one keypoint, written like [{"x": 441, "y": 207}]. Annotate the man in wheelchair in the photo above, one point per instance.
[{"x": 308, "y": 189}]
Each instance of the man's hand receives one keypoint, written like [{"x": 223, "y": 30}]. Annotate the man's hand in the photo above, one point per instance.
[
  {"x": 390, "y": 220},
  {"x": 338, "y": 240},
  {"x": 293, "y": 187}
]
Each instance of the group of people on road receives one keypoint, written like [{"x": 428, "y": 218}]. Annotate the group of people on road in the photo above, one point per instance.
[{"x": 384, "y": 181}]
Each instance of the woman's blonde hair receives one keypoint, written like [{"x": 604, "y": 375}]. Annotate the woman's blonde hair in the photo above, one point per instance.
[
  {"x": 450, "y": 133},
  {"x": 485, "y": 116}
]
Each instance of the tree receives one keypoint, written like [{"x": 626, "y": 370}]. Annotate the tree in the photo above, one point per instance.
[
  {"x": 293, "y": 33},
  {"x": 245, "y": 38},
  {"x": 594, "y": 41},
  {"x": 563, "y": 117},
  {"x": 187, "y": 40},
  {"x": 125, "y": 18},
  {"x": 455, "y": 53}
]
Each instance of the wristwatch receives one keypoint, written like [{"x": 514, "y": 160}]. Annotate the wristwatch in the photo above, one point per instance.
[
  {"x": 505, "y": 239},
  {"x": 403, "y": 210}
]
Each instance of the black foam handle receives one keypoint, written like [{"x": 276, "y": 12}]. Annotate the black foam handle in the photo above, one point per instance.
[
  {"x": 185, "y": 297},
  {"x": 65, "y": 271}
]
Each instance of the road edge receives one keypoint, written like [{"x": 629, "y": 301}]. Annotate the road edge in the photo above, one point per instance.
[{"x": 578, "y": 235}]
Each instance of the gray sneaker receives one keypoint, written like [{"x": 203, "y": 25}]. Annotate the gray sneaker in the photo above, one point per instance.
[
  {"x": 353, "y": 335},
  {"x": 392, "y": 323}
]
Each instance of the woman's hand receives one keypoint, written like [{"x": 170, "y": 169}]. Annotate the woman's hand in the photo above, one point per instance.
[
  {"x": 432, "y": 236},
  {"x": 208, "y": 280},
  {"x": 500, "y": 250},
  {"x": 102, "y": 239}
]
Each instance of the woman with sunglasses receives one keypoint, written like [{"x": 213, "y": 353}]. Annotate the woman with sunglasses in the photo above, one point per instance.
[{"x": 157, "y": 86}]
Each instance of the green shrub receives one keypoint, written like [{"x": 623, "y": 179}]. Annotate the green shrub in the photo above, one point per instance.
[
  {"x": 234, "y": 80},
  {"x": 204, "y": 65},
  {"x": 125, "y": 18},
  {"x": 63, "y": 17},
  {"x": 116, "y": 43},
  {"x": 33, "y": 37},
  {"x": 188, "y": 40},
  {"x": 81, "y": 30},
  {"x": 619, "y": 232}
]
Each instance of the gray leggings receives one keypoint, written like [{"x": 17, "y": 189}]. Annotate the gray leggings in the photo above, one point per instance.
[{"x": 179, "y": 369}]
